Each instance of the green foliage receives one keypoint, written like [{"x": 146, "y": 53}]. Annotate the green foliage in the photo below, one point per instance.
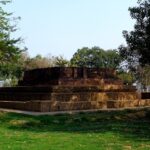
[
  {"x": 126, "y": 77},
  {"x": 144, "y": 75},
  {"x": 9, "y": 70},
  {"x": 10, "y": 82},
  {"x": 9, "y": 51},
  {"x": 61, "y": 62},
  {"x": 137, "y": 50},
  {"x": 96, "y": 57}
]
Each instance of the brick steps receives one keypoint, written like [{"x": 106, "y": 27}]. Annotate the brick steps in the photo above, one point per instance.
[
  {"x": 64, "y": 98},
  {"x": 128, "y": 103},
  {"x": 66, "y": 89},
  {"x": 76, "y": 96},
  {"x": 52, "y": 106},
  {"x": 24, "y": 96},
  {"x": 47, "y": 106},
  {"x": 66, "y": 93}
]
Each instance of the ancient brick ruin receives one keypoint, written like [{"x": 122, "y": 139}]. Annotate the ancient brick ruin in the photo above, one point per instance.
[{"x": 65, "y": 89}]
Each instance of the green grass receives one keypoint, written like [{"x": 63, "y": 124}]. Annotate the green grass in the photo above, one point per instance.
[{"x": 123, "y": 130}]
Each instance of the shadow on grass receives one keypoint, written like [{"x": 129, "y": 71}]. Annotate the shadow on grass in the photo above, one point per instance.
[{"x": 129, "y": 124}]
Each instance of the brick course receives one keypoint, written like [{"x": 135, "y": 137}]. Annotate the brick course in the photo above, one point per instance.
[{"x": 64, "y": 89}]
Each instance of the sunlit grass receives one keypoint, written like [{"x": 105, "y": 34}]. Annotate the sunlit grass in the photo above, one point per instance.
[{"x": 90, "y": 131}]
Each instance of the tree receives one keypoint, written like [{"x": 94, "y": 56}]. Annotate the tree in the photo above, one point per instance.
[
  {"x": 35, "y": 62},
  {"x": 38, "y": 61},
  {"x": 126, "y": 77},
  {"x": 113, "y": 59},
  {"x": 61, "y": 62},
  {"x": 96, "y": 57},
  {"x": 9, "y": 51},
  {"x": 137, "y": 51},
  {"x": 143, "y": 75}
]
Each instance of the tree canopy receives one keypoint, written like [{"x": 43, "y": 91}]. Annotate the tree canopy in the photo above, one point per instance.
[
  {"x": 96, "y": 57},
  {"x": 9, "y": 50},
  {"x": 137, "y": 51}
]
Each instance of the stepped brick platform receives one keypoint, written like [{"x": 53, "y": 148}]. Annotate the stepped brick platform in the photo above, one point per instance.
[{"x": 65, "y": 89}]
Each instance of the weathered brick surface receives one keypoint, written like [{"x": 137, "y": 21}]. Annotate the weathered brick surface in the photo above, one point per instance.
[
  {"x": 123, "y": 104},
  {"x": 62, "y": 89},
  {"x": 69, "y": 76}
]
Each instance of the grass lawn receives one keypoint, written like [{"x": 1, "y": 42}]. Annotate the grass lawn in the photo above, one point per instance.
[{"x": 123, "y": 130}]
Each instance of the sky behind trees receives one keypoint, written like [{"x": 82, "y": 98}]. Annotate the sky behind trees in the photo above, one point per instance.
[{"x": 60, "y": 27}]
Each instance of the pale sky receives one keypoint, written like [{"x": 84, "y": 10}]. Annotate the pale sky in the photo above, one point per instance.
[{"x": 60, "y": 27}]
